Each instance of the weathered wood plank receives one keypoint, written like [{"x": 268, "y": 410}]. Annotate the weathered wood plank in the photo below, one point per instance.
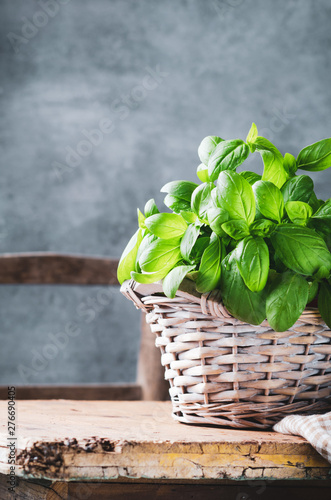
[
  {"x": 31, "y": 490},
  {"x": 51, "y": 268},
  {"x": 78, "y": 440},
  {"x": 91, "y": 392}
]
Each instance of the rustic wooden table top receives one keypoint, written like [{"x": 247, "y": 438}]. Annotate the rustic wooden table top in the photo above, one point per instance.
[{"x": 105, "y": 440}]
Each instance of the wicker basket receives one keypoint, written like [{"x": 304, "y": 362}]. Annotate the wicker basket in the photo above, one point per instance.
[{"x": 228, "y": 373}]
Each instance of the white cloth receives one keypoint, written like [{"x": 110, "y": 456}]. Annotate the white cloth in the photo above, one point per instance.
[{"x": 315, "y": 428}]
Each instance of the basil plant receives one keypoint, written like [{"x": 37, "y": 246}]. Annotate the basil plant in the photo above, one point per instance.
[{"x": 263, "y": 240}]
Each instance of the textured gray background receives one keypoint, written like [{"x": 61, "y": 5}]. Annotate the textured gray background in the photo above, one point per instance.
[{"x": 224, "y": 64}]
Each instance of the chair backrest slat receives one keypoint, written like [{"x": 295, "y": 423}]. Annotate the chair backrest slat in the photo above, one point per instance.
[{"x": 50, "y": 269}]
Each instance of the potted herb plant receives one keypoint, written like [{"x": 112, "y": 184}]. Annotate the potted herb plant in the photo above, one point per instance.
[{"x": 252, "y": 250}]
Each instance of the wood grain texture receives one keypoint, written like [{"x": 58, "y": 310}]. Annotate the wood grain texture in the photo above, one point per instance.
[
  {"x": 51, "y": 268},
  {"x": 100, "y": 392},
  {"x": 91, "y": 441}
]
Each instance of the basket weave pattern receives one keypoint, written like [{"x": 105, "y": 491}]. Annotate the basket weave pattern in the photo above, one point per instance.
[{"x": 229, "y": 373}]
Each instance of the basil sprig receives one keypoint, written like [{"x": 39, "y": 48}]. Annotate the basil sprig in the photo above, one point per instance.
[{"x": 263, "y": 239}]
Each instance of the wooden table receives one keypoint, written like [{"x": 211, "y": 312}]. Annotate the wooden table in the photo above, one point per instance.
[{"x": 99, "y": 449}]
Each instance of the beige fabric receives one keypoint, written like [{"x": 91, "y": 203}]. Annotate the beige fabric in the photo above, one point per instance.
[{"x": 315, "y": 428}]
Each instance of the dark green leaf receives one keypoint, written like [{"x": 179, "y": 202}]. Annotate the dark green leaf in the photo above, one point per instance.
[
  {"x": 324, "y": 302},
  {"x": 151, "y": 208},
  {"x": 313, "y": 289},
  {"x": 273, "y": 161},
  {"x": 298, "y": 188},
  {"x": 287, "y": 298},
  {"x": 188, "y": 241},
  {"x": 238, "y": 299},
  {"x": 210, "y": 267},
  {"x": 324, "y": 212},
  {"x": 269, "y": 200},
  {"x": 207, "y": 146},
  {"x": 298, "y": 211},
  {"x": 201, "y": 199},
  {"x": 300, "y": 249},
  {"x": 235, "y": 197},
  {"x": 252, "y": 256},
  {"x": 128, "y": 259},
  {"x": 166, "y": 226},
  {"x": 237, "y": 229},
  {"x": 228, "y": 155},
  {"x": 173, "y": 280},
  {"x": 314, "y": 202},
  {"x": 315, "y": 157},
  {"x": 262, "y": 227},
  {"x": 198, "y": 249}
]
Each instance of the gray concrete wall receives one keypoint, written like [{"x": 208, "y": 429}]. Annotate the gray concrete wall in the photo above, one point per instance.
[{"x": 219, "y": 65}]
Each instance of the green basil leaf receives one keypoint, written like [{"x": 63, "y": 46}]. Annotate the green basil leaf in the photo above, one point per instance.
[
  {"x": 176, "y": 204},
  {"x": 237, "y": 229},
  {"x": 201, "y": 199},
  {"x": 324, "y": 212},
  {"x": 180, "y": 189},
  {"x": 147, "y": 278},
  {"x": 207, "y": 146},
  {"x": 287, "y": 298},
  {"x": 148, "y": 238},
  {"x": 313, "y": 289},
  {"x": 173, "y": 280},
  {"x": 252, "y": 256},
  {"x": 235, "y": 198},
  {"x": 141, "y": 219},
  {"x": 198, "y": 249},
  {"x": 151, "y": 208},
  {"x": 189, "y": 216},
  {"x": 269, "y": 200},
  {"x": 228, "y": 155},
  {"x": 128, "y": 259},
  {"x": 300, "y": 249},
  {"x": 273, "y": 161},
  {"x": 251, "y": 137},
  {"x": 166, "y": 226},
  {"x": 314, "y": 202},
  {"x": 298, "y": 188},
  {"x": 315, "y": 157},
  {"x": 250, "y": 177},
  {"x": 324, "y": 302},
  {"x": 202, "y": 173},
  {"x": 188, "y": 241},
  {"x": 298, "y": 211},
  {"x": 262, "y": 227},
  {"x": 290, "y": 164},
  {"x": 238, "y": 299},
  {"x": 161, "y": 254},
  {"x": 210, "y": 267}
]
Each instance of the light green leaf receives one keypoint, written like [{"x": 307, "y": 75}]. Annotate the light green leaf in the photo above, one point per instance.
[
  {"x": 269, "y": 200},
  {"x": 290, "y": 164},
  {"x": 287, "y": 298},
  {"x": 207, "y": 146},
  {"x": 262, "y": 227},
  {"x": 141, "y": 219},
  {"x": 250, "y": 177},
  {"x": 166, "y": 226},
  {"x": 202, "y": 173},
  {"x": 151, "y": 208},
  {"x": 176, "y": 204},
  {"x": 228, "y": 155},
  {"x": 161, "y": 254},
  {"x": 252, "y": 256},
  {"x": 147, "y": 278},
  {"x": 128, "y": 259},
  {"x": 201, "y": 199},
  {"x": 274, "y": 170},
  {"x": 251, "y": 137},
  {"x": 173, "y": 280},
  {"x": 189, "y": 216},
  {"x": 190, "y": 237},
  {"x": 235, "y": 197},
  {"x": 298, "y": 211},
  {"x": 237, "y": 229},
  {"x": 315, "y": 157},
  {"x": 180, "y": 189}
]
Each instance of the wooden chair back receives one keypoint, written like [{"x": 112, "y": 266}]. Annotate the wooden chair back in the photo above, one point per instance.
[{"x": 45, "y": 268}]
